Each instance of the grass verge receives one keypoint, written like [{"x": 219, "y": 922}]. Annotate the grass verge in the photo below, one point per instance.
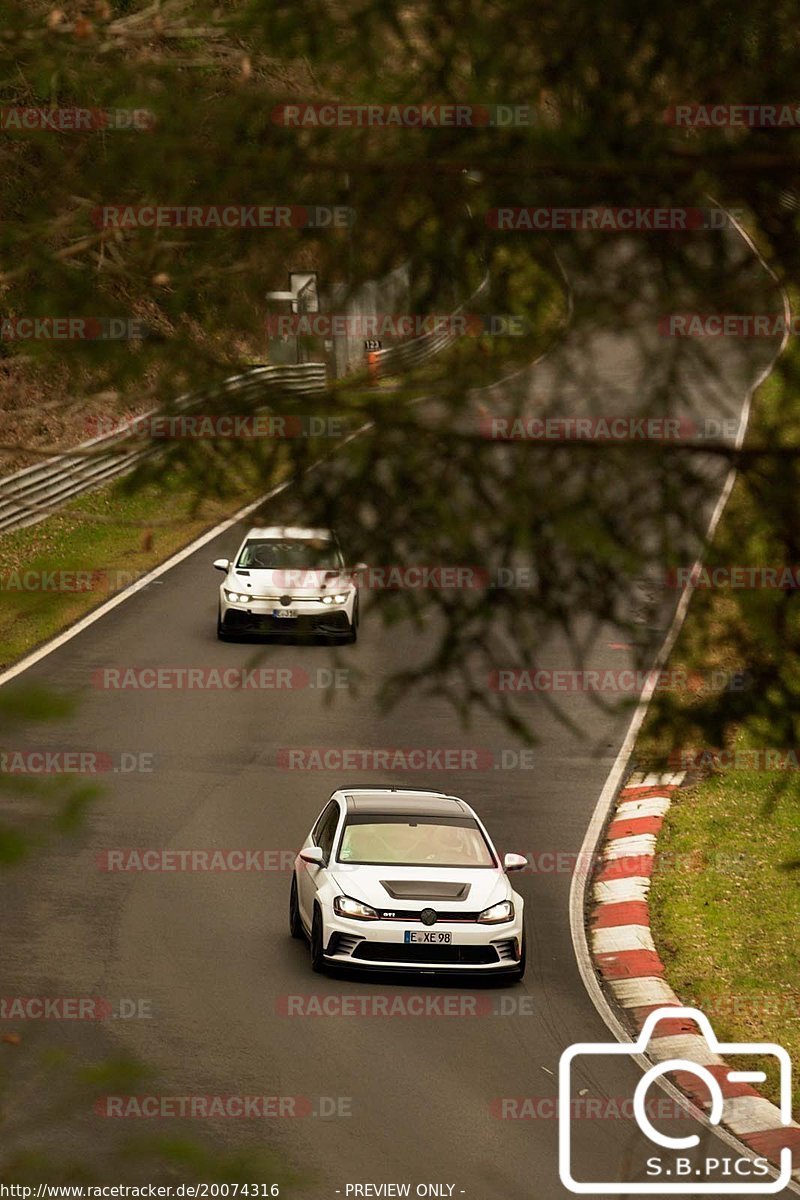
[
  {"x": 53, "y": 573},
  {"x": 725, "y": 910},
  {"x": 725, "y": 898}
]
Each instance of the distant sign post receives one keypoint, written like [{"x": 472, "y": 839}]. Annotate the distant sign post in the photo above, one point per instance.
[{"x": 303, "y": 296}]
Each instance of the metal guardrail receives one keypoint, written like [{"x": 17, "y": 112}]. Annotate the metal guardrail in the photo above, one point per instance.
[
  {"x": 30, "y": 495},
  {"x": 412, "y": 353}
]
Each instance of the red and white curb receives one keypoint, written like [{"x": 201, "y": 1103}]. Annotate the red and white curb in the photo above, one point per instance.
[{"x": 628, "y": 962}]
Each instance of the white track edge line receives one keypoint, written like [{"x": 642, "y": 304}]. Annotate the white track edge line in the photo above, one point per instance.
[
  {"x": 577, "y": 896},
  {"x": 72, "y": 631}
]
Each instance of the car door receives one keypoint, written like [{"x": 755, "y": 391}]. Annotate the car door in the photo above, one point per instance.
[{"x": 311, "y": 877}]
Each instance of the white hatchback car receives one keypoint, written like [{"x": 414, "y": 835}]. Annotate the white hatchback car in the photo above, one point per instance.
[
  {"x": 400, "y": 879},
  {"x": 288, "y": 579}
]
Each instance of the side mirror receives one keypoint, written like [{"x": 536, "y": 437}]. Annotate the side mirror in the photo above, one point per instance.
[
  {"x": 359, "y": 567},
  {"x": 221, "y": 564},
  {"x": 313, "y": 855},
  {"x": 514, "y": 862}
]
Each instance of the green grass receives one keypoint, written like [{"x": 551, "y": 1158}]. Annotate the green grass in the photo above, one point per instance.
[
  {"x": 725, "y": 907},
  {"x": 725, "y": 901},
  {"x": 108, "y": 531}
]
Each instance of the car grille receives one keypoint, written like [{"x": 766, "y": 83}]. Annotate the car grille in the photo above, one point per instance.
[
  {"x": 283, "y": 596},
  {"x": 450, "y": 915},
  {"x": 399, "y": 952},
  {"x": 334, "y": 622}
]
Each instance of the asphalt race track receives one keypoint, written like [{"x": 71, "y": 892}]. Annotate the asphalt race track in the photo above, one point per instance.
[{"x": 408, "y": 1098}]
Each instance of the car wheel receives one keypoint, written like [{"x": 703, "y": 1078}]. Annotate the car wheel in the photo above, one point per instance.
[
  {"x": 317, "y": 957},
  {"x": 519, "y": 972},
  {"x": 295, "y": 924}
]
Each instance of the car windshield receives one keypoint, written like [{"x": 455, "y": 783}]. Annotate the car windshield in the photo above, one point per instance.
[
  {"x": 319, "y": 554},
  {"x": 414, "y": 842}
]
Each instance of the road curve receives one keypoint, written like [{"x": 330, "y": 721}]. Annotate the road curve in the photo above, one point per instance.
[{"x": 210, "y": 951}]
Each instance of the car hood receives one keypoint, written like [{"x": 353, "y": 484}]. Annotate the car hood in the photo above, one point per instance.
[
  {"x": 297, "y": 581},
  {"x": 413, "y": 888}
]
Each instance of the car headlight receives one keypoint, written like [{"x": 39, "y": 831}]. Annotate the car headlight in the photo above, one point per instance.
[
  {"x": 345, "y": 906},
  {"x": 339, "y": 598},
  {"x": 236, "y": 598},
  {"x": 504, "y": 911}
]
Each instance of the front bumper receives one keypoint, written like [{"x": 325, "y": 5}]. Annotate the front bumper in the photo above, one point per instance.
[
  {"x": 312, "y": 617},
  {"x": 381, "y": 945}
]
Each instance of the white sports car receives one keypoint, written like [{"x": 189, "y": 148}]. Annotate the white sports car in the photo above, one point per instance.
[
  {"x": 400, "y": 879},
  {"x": 288, "y": 579}
]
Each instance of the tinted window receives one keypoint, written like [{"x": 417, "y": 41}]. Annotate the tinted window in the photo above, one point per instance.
[
  {"x": 330, "y": 807},
  {"x": 319, "y": 554},
  {"x": 327, "y": 830}
]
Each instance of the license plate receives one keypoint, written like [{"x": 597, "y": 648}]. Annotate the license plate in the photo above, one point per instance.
[
  {"x": 284, "y": 612},
  {"x": 432, "y": 937}
]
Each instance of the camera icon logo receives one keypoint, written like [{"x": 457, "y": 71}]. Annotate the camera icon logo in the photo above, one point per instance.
[{"x": 691, "y": 1183}]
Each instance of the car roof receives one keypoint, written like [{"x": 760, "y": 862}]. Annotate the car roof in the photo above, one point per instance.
[
  {"x": 402, "y": 801},
  {"x": 293, "y": 532}
]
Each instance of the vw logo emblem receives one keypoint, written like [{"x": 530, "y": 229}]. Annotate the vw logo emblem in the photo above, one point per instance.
[
  {"x": 428, "y": 916},
  {"x": 286, "y": 600}
]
